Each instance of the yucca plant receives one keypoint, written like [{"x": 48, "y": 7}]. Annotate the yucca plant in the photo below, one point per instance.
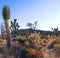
[{"x": 6, "y": 17}]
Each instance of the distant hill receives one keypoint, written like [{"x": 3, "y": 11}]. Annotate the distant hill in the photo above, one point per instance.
[
  {"x": 42, "y": 31},
  {"x": 38, "y": 31}
]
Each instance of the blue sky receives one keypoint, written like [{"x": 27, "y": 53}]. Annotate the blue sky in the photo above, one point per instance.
[{"x": 45, "y": 12}]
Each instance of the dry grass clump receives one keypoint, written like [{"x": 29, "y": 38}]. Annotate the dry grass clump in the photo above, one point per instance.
[
  {"x": 3, "y": 41},
  {"x": 28, "y": 52},
  {"x": 55, "y": 41}
]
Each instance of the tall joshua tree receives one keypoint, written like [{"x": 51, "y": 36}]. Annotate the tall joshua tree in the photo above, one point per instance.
[
  {"x": 14, "y": 27},
  {"x": 6, "y": 17}
]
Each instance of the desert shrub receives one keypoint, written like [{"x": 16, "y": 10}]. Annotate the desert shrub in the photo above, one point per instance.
[
  {"x": 28, "y": 52},
  {"x": 35, "y": 41},
  {"x": 35, "y": 38},
  {"x": 54, "y": 42}
]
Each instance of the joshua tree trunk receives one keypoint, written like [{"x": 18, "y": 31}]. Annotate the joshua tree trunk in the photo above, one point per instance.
[{"x": 7, "y": 33}]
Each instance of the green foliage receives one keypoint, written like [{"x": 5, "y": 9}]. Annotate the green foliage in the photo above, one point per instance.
[{"x": 6, "y": 12}]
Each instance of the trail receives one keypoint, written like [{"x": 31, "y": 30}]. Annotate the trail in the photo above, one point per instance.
[{"x": 48, "y": 53}]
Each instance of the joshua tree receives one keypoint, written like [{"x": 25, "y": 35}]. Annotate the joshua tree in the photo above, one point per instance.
[
  {"x": 34, "y": 25},
  {"x": 6, "y": 17},
  {"x": 2, "y": 30},
  {"x": 14, "y": 27},
  {"x": 30, "y": 25}
]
